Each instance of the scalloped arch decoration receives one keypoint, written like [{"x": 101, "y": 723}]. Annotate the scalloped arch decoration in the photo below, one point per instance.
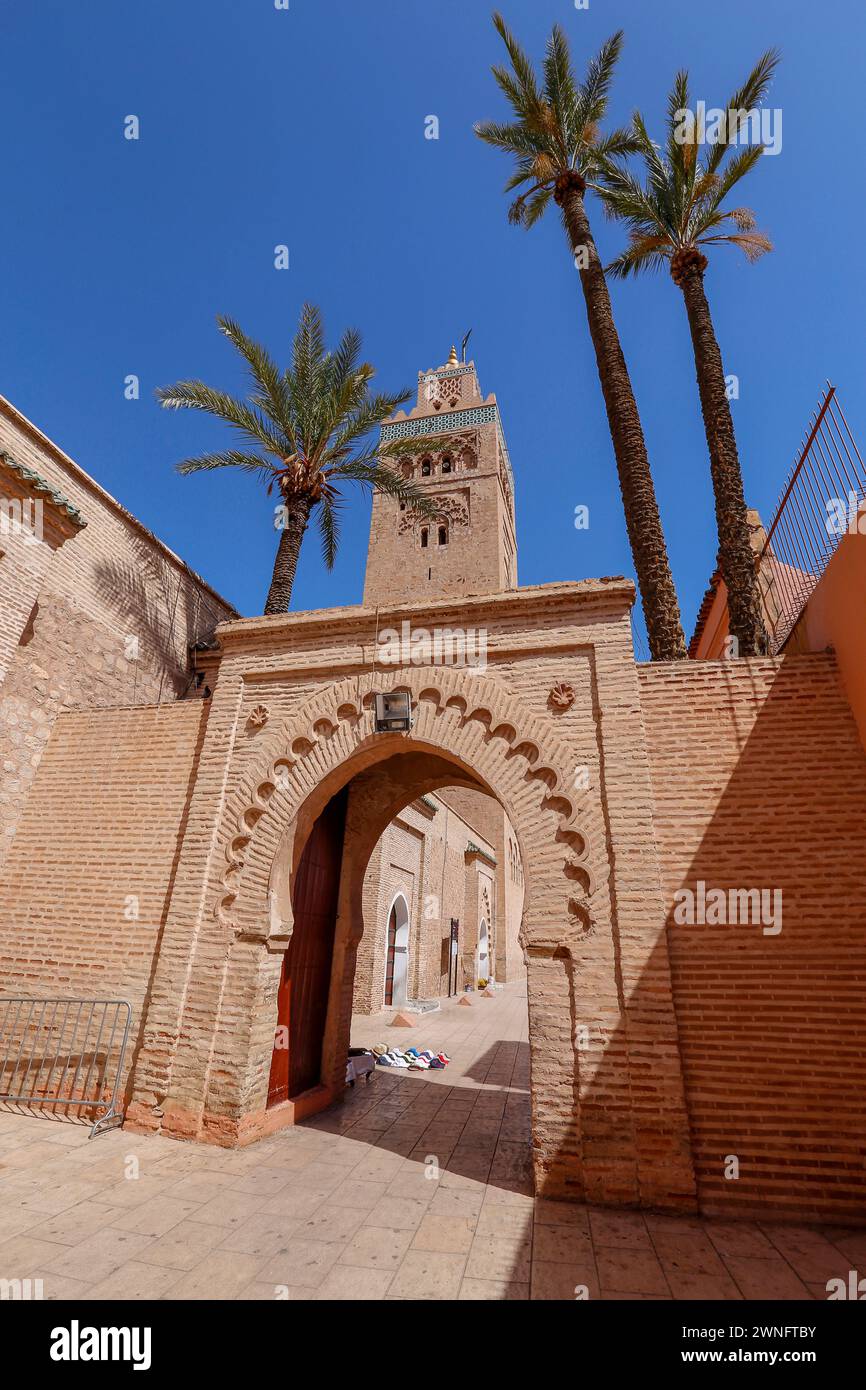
[{"x": 464, "y": 715}]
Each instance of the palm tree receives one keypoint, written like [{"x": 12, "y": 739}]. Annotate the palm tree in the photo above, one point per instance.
[
  {"x": 559, "y": 152},
  {"x": 308, "y": 427},
  {"x": 679, "y": 209}
]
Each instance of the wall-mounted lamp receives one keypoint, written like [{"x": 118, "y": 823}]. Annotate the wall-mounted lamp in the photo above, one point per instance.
[{"x": 393, "y": 712}]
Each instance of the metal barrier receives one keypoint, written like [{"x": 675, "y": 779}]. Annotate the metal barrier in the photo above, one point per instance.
[
  {"x": 820, "y": 500},
  {"x": 64, "y": 1052}
]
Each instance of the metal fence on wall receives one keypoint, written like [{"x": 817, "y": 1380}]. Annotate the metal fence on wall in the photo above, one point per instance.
[
  {"x": 820, "y": 501},
  {"x": 65, "y": 1052}
]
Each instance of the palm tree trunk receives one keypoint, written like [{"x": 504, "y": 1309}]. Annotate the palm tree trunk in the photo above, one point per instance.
[
  {"x": 736, "y": 556},
  {"x": 649, "y": 552},
  {"x": 288, "y": 550}
]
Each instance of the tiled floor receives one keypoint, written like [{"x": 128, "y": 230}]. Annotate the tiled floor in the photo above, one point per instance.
[{"x": 417, "y": 1187}]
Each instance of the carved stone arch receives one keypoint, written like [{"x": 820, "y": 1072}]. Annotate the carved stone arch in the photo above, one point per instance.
[{"x": 464, "y": 717}]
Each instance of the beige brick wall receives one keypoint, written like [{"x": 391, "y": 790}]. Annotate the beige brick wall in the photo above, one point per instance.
[
  {"x": 759, "y": 780},
  {"x": 114, "y": 614},
  {"x": 97, "y": 844}
]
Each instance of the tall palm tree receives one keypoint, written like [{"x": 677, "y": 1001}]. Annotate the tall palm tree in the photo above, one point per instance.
[
  {"x": 679, "y": 209},
  {"x": 308, "y": 427},
  {"x": 559, "y": 152}
]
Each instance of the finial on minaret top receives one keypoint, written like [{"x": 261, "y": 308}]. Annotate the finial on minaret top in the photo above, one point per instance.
[{"x": 452, "y": 360}]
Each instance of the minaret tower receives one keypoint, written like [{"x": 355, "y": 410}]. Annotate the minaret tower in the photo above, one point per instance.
[{"x": 470, "y": 546}]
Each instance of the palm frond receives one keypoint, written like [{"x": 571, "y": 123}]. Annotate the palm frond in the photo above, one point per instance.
[
  {"x": 231, "y": 458},
  {"x": 595, "y": 88},
  {"x": 753, "y": 244},
  {"x": 742, "y": 163},
  {"x": 383, "y": 479},
  {"x": 512, "y": 137},
  {"x": 644, "y": 253},
  {"x": 744, "y": 100},
  {"x": 678, "y": 103},
  {"x": 535, "y": 207},
  {"x": 196, "y": 395},
  {"x": 560, "y": 89},
  {"x": 328, "y": 520},
  {"x": 524, "y": 94},
  {"x": 356, "y": 424},
  {"x": 271, "y": 395}
]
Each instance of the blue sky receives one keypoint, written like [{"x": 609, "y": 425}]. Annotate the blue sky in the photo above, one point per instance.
[{"x": 306, "y": 127}]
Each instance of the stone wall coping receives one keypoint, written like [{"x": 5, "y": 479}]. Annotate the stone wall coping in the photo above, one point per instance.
[
  {"x": 68, "y": 515},
  {"x": 735, "y": 666},
  {"x": 583, "y": 592},
  {"x": 473, "y": 851}
]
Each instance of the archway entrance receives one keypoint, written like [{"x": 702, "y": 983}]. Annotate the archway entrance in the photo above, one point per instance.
[
  {"x": 397, "y": 957},
  {"x": 205, "y": 1066},
  {"x": 482, "y": 955},
  {"x": 316, "y": 879}
]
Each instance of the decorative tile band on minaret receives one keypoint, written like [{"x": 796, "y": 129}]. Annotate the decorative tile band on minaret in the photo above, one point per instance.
[{"x": 469, "y": 546}]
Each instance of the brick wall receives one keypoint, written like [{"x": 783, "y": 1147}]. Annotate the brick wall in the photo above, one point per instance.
[
  {"x": 759, "y": 780},
  {"x": 97, "y": 844},
  {"x": 113, "y": 616}
]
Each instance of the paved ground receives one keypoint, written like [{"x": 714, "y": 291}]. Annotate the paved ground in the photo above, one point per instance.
[{"x": 343, "y": 1207}]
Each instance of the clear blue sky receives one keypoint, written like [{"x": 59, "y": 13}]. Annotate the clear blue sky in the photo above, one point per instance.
[{"x": 306, "y": 127}]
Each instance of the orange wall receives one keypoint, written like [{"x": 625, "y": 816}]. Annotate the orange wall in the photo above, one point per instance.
[{"x": 836, "y": 617}]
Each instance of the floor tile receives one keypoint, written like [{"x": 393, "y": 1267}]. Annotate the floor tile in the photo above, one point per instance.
[
  {"x": 428, "y": 1274},
  {"x": 375, "y": 1247}
]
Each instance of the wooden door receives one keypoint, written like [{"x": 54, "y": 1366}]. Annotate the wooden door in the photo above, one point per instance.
[{"x": 302, "y": 1000}]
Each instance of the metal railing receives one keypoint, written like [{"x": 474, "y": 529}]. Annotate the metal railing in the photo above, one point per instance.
[
  {"x": 66, "y": 1052},
  {"x": 819, "y": 502}
]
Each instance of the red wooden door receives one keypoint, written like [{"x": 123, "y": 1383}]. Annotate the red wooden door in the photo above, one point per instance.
[{"x": 302, "y": 1000}]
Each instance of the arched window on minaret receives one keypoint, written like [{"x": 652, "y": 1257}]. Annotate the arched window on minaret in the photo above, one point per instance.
[
  {"x": 447, "y": 464},
  {"x": 443, "y": 533},
  {"x": 467, "y": 458},
  {"x": 406, "y": 468},
  {"x": 424, "y": 537},
  {"x": 426, "y": 468}
]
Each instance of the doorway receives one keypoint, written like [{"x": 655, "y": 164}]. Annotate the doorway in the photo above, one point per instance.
[
  {"x": 482, "y": 955},
  {"x": 397, "y": 960},
  {"x": 305, "y": 977}
]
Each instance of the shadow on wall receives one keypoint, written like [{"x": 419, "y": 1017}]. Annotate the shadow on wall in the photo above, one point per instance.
[
  {"x": 760, "y": 784},
  {"x": 164, "y": 612},
  {"x": 771, "y": 1006}
]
